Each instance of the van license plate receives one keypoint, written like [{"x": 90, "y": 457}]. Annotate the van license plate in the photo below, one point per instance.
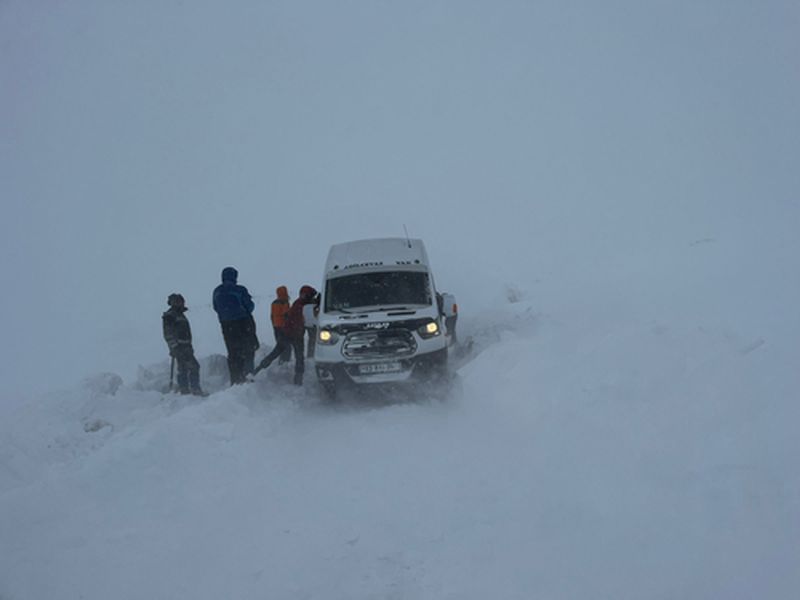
[{"x": 390, "y": 367}]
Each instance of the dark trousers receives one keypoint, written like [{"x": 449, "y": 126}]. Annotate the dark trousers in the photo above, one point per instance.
[
  {"x": 287, "y": 355},
  {"x": 312, "y": 341},
  {"x": 450, "y": 327},
  {"x": 287, "y": 343},
  {"x": 188, "y": 371},
  {"x": 241, "y": 342}
]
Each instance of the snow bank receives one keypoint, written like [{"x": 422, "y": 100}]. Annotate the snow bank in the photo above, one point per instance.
[{"x": 637, "y": 460}]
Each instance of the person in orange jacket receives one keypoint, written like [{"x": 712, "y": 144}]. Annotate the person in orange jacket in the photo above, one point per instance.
[
  {"x": 279, "y": 309},
  {"x": 294, "y": 333}
]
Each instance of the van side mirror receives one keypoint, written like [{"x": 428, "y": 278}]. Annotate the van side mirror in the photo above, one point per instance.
[{"x": 449, "y": 306}]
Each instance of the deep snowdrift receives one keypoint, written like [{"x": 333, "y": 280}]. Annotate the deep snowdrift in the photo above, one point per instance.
[{"x": 632, "y": 460}]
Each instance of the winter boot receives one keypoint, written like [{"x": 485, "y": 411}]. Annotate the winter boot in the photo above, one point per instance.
[
  {"x": 262, "y": 365},
  {"x": 298, "y": 379}
]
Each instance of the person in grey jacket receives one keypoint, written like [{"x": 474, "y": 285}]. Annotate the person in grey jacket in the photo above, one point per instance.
[{"x": 178, "y": 335}]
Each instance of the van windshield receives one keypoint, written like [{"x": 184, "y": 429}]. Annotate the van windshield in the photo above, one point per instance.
[{"x": 383, "y": 289}]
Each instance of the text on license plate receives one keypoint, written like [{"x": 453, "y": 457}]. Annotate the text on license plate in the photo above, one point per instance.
[{"x": 388, "y": 367}]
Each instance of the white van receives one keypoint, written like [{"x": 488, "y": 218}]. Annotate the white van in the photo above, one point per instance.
[{"x": 379, "y": 321}]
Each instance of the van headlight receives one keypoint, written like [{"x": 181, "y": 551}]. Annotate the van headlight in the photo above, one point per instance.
[
  {"x": 326, "y": 336},
  {"x": 429, "y": 330}
]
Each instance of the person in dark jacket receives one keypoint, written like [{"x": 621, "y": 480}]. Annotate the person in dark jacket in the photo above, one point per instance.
[
  {"x": 280, "y": 306},
  {"x": 449, "y": 310},
  {"x": 234, "y": 307},
  {"x": 178, "y": 335},
  {"x": 310, "y": 312},
  {"x": 294, "y": 332}
]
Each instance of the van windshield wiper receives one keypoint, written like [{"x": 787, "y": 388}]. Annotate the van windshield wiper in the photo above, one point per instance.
[
  {"x": 403, "y": 306},
  {"x": 379, "y": 308}
]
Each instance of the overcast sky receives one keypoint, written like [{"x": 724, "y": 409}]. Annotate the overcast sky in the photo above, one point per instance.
[{"x": 145, "y": 146}]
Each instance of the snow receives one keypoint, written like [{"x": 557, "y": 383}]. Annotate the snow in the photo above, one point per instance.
[
  {"x": 389, "y": 251},
  {"x": 611, "y": 194},
  {"x": 636, "y": 460}
]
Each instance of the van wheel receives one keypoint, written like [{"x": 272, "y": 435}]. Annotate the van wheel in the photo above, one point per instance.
[
  {"x": 444, "y": 383},
  {"x": 329, "y": 391}
]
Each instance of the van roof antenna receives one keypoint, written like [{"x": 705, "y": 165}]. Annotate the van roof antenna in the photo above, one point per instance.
[{"x": 407, "y": 240}]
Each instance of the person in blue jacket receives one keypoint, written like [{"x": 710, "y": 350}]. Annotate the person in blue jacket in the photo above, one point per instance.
[{"x": 234, "y": 307}]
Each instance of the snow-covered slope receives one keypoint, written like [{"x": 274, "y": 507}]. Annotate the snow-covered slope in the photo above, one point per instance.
[
  {"x": 635, "y": 460},
  {"x": 609, "y": 189}
]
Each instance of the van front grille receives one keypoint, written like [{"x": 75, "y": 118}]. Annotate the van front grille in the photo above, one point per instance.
[{"x": 384, "y": 344}]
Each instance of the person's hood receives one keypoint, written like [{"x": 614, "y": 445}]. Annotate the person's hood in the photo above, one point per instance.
[
  {"x": 229, "y": 274},
  {"x": 282, "y": 293},
  {"x": 307, "y": 292}
]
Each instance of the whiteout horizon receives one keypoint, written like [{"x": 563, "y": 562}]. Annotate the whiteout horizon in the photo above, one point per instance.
[{"x": 379, "y": 319}]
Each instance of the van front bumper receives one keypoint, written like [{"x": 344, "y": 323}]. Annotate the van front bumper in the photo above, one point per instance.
[{"x": 419, "y": 367}]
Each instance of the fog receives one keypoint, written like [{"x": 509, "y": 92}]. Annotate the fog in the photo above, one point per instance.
[
  {"x": 145, "y": 147},
  {"x": 610, "y": 190}
]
